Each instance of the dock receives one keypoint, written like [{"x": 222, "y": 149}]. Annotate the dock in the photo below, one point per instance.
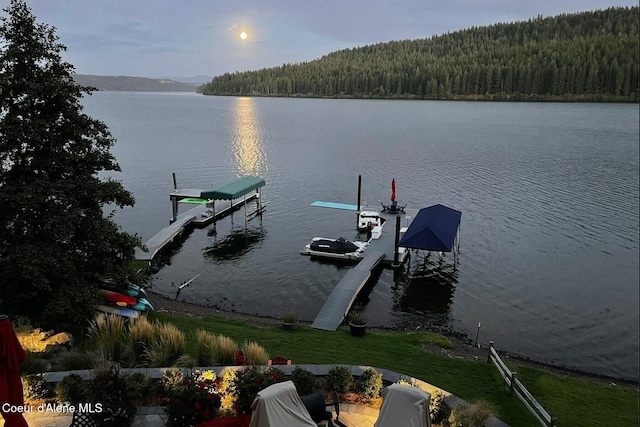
[
  {"x": 241, "y": 190},
  {"x": 380, "y": 251},
  {"x": 163, "y": 237},
  {"x": 337, "y": 305}
]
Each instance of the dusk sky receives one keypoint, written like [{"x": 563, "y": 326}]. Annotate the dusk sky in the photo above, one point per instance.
[{"x": 156, "y": 38}]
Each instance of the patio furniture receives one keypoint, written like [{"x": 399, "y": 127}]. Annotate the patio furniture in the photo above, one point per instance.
[
  {"x": 280, "y": 405},
  {"x": 279, "y": 360},
  {"x": 393, "y": 208},
  {"x": 241, "y": 358},
  {"x": 317, "y": 406},
  {"x": 404, "y": 406}
]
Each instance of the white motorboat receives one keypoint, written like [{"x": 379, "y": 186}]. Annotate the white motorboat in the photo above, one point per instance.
[{"x": 369, "y": 219}]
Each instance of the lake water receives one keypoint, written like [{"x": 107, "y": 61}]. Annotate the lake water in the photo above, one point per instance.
[{"x": 548, "y": 194}]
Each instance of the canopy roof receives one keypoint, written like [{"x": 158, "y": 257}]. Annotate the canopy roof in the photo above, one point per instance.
[
  {"x": 234, "y": 189},
  {"x": 434, "y": 229}
]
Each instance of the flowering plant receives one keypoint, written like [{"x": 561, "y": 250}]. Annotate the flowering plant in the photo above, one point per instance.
[
  {"x": 191, "y": 400},
  {"x": 248, "y": 382}
]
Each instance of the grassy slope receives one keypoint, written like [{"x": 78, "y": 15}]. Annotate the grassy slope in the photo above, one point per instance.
[{"x": 574, "y": 402}]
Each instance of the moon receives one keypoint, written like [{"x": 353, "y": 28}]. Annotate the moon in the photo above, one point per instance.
[{"x": 243, "y": 35}]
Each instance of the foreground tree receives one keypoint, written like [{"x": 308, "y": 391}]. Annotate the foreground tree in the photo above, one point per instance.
[{"x": 55, "y": 242}]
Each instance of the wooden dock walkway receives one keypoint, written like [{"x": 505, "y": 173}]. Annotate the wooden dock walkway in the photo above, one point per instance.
[
  {"x": 337, "y": 305},
  {"x": 163, "y": 237},
  {"x": 197, "y": 216}
]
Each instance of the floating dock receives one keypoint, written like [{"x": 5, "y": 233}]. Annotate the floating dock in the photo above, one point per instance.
[
  {"x": 380, "y": 251},
  {"x": 337, "y": 305}
]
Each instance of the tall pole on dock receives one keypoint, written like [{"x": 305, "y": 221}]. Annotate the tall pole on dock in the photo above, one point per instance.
[
  {"x": 358, "y": 207},
  {"x": 396, "y": 248}
]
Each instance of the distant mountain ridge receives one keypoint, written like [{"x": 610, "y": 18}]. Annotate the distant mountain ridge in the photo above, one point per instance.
[{"x": 134, "y": 84}]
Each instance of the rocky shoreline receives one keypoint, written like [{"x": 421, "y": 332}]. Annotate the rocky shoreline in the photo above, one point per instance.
[{"x": 463, "y": 346}]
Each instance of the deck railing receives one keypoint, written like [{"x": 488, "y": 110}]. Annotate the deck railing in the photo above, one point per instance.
[{"x": 516, "y": 387}]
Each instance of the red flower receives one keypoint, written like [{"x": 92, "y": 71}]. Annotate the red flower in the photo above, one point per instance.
[
  {"x": 205, "y": 414},
  {"x": 198, "y": 406},
  {"x": 176, "y": 400},
  {"x": 257, "y": 380}
]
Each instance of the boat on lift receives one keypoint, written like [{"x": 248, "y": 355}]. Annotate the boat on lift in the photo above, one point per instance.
[
  {"x": 340, "y": 248},
  {"x": 369, "y": 219}
]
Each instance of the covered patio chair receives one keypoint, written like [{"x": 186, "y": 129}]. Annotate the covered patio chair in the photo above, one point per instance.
[
  {"x": 404, "y": 406},
  {"x": 280, "y": 405}
]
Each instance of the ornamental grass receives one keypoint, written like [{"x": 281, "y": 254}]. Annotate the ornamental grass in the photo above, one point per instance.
[{"x": 256, "y": 354}]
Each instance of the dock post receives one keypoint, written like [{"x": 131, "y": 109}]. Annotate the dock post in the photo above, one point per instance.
[
  {"x": 396, "y": 248},
  {"x": 245, "y": 212},
  {"x": 174, "y": 209},
  {"x": 358, "y": 207}
]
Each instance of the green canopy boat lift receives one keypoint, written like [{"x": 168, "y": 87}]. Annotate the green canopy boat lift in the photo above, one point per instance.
[{"x": 238, "y": 192}]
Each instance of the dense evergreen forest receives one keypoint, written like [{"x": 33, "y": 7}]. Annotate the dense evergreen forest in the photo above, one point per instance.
[{"x": 591, "y": 56}]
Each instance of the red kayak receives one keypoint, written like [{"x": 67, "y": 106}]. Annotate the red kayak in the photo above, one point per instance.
[{"x": 117, "y": 298}]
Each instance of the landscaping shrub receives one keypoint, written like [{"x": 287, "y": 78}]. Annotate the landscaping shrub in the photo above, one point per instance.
[
  {"x": 369, "y": 384},
  {"x": 256, "y": 354},
  {"x": 438, "y": 409},
  {"x": 339, "y": 379},
  {"x": 475, "y": 415},
  {"x": 36, "y": 388},
  {"x": 167, "y": 347},
  {"x": 305, "y": 381},
  {"x": 185, "y": 361},
  {"x": 276, "y": 375},
  {"x": 191, "y": 400},
  {"x": 141, "y": 386},
  {"x": 108, "y": 331},
  {"x": 141, "y": 334},
  {"x": 224, "y": 351},
  {"x": 72, "y": 361},
  {"x": 205, "y": 346},
  {"x": 34, "y": 364},
  {"x": 72, "y": 389},
  {"x": 226, "y": 391},
  {"x": 118, "y": 398},
  {"x": 246, "y": 385}
]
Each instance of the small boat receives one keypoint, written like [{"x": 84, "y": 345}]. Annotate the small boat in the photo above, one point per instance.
[
  {"x": 130, "y": 289},
  {"x": 142, "y": 305},
  {"x": 118, "y": 298},
  {"x": 369, "y": 219},
  {"x": 339, "y": 248},
  {"x": 120, "y": 311}
]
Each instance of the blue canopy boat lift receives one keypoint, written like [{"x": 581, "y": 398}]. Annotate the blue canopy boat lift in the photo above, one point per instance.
[
  {"x": 237, "y": 192},
  {"x": 435, "y": 228}
]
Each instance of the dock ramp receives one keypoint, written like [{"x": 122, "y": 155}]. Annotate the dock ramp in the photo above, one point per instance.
[
  {"x": 337, "y": 305},
  {"x": 162, "y": 238}
]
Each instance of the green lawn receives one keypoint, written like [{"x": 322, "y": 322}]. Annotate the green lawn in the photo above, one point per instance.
[{"x": 574, "y": 402}]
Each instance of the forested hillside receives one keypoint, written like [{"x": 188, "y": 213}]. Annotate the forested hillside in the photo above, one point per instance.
[
  {"x": 591, "y": 56},
  {"x": 133, "y": 84}
]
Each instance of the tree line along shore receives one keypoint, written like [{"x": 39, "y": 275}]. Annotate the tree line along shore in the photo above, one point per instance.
[{"x": 589, "y": 56}]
